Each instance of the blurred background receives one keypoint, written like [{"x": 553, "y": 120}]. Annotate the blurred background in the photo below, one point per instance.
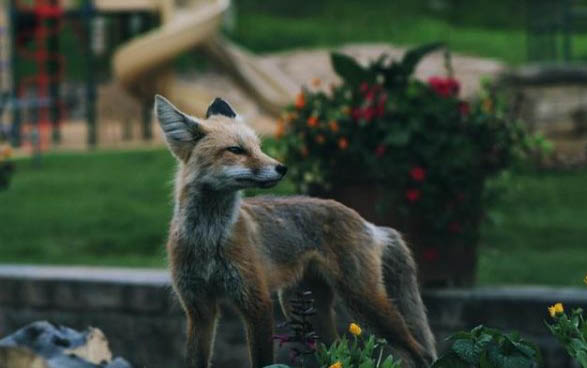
[
  {"x": 85, "y": 178},
  {"x": 91, "y": 184}
]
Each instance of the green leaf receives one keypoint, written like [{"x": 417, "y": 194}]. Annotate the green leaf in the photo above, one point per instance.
[
  {"x": 413, "y": 56},
  {"x": 389, "y": 362},
  {"x": 277, "y": 366},
  {"x": 484, "y": 362},
  {"x": 450, "y": 360},
  {"x": 582, "y": 358},
  {"x": 348, "y": 69},
  {"x": 465, "y": 349},
  {"x": 398, "y": 138}
]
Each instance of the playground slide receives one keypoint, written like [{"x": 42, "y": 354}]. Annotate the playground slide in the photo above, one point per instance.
[{"x": 142, "y": 65}]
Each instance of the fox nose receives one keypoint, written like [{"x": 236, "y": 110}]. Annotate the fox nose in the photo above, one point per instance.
[{"x": 281, "y": 170}]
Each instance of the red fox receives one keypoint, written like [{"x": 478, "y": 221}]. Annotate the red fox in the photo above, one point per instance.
[{"x": 222, "y": 247}]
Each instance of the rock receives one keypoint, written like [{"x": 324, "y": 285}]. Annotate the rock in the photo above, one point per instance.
[{"x": 45, "y": 345}]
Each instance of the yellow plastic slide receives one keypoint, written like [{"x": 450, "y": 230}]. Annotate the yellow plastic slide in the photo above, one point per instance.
[{"x": 142, "y": 65}]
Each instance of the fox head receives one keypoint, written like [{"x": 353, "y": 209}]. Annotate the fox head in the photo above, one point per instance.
[{"x": 219, "y": 152}]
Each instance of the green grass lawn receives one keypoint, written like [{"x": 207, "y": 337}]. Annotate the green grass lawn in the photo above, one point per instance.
[
  {"x": 493, "y": 29},
  {"x": 112, "y": 208}
]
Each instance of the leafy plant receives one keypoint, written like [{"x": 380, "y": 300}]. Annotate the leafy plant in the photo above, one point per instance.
[
  {"x": 360, "y": 353},
  {"x": 429, "y": 151},
  {"x": 571, "y": 331},
  {"x": 489, "y": 348},
  {"x": 302, "y": 337}
]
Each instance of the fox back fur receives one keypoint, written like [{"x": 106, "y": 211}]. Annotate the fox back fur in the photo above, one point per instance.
[{"x": 222, "y": 247}]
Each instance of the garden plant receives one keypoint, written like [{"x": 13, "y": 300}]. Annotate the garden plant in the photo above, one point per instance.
[
  {"x": 481, "y": 347},
  {"x": 415, "y": 150}
]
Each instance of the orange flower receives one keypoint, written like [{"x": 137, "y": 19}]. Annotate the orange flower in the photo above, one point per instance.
[
  {"x": 320, "y": 139},
  {"x": 312, "y": 121},
  {"x": 300, "y": 101},
  {"x": 6, "y": 152},
  {"x": 333, "y": 126},
  {"x": 487, "y": 105},
  {"x": 316, "y": 82},
  {"x": 304, "y": 151},
  {"x": 343, "y": 143},
  {"x": 280, "y": 130}
]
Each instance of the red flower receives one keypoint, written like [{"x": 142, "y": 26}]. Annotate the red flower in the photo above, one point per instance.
[
  {"x": 455, "y": 227},
  {"x": 417, "y": 173},
  {"x": 444, "y": 87},
  {"x": 413, "y": 195},
  {"x": 380, "y": 110},
  {"x": 464, "y": 108},
  {"x": 364, "y": 88},
  {"x": 357, "y": 113},
  {"x": 430, "y": 254},
  {"x": 343, "y": 143},
  {"x": 369, "y": 114},
  {"x": 380, "y": 150}
]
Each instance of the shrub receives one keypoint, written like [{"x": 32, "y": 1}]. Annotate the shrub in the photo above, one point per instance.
[
  {"x": 489, "y": 348},
  {"x": 360, "y": 352},
  {"x": 428, "y": 150}
]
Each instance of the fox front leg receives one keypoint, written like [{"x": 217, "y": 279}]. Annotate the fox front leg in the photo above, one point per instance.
[
  {"x": 257, "y": 314},
  {"x": 201, "y": 323}
]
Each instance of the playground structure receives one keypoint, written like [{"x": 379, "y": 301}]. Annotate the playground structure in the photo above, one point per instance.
[{"x": 36, "y": 60}]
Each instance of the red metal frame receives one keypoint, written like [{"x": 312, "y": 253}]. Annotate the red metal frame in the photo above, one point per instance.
[{"x": 43, "y": 10}]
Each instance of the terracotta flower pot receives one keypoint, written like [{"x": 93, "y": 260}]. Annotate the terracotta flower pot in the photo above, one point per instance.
[{"x": 440, "y": 265}]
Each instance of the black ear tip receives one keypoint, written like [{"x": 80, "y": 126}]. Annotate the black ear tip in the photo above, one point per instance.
[{"x": 220, "y": 107}]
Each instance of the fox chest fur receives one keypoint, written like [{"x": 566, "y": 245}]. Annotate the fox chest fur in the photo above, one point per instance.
[{"x": 200, "y": 242}]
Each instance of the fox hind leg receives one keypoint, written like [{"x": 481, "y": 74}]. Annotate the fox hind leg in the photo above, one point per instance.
[
  {"x": 401, "y": 283},
  {"x": 373, "y": 306}
]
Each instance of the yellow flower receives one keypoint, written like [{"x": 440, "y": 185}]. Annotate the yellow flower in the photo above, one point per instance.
[
  {"x": 585, "y": 279},
  {"x": 556, "y": 309},
  {"x": 336, "y": 365},
  {"x": 355, "y": 329}
]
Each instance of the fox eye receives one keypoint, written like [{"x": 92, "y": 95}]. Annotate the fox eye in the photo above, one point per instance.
[{"x": 236, "y": 150}]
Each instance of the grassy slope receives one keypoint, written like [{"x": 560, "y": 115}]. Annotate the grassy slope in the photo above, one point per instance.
[
  {"x": 252, "y": 31},
  {"x": 113, "y": 209},
  {"x": 492, "y": 29},
  {"x": 104, "y": 208}
]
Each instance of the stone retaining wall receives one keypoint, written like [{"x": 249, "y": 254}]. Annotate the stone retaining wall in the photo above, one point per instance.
[{"x": 139, "y": 315}]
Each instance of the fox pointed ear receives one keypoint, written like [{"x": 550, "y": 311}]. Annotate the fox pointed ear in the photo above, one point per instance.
[
  {"x": 220, "y": 107},
  {"x": 181, "y": 130}
]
